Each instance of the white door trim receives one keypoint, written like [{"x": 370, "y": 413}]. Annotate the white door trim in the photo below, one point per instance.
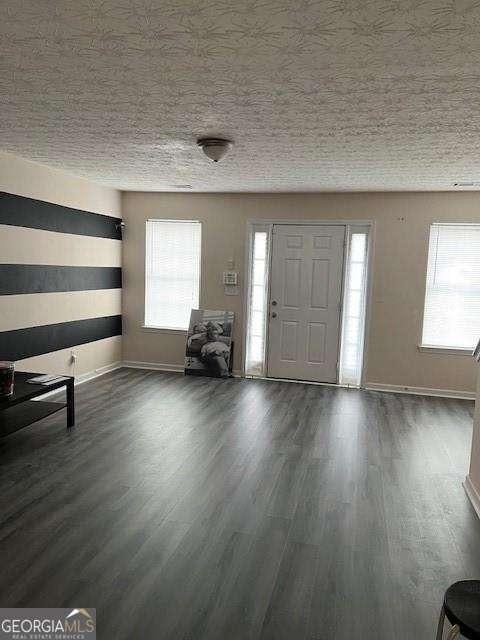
[{"x": 267, "y": 224}]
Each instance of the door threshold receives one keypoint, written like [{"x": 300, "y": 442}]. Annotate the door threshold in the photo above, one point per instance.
[{"x": 321, "y": 384}]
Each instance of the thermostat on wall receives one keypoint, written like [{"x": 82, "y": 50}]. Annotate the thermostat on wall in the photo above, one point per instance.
[{"x": 230, "y": 277}]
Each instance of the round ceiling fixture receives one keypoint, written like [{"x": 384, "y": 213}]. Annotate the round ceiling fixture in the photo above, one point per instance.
[{"x": 214, "y": 148}]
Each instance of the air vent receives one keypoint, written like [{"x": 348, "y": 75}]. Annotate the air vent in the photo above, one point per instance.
[{"x": 466, "y": 184}]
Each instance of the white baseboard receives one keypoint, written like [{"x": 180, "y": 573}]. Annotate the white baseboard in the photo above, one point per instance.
[
  {"x": 153, "y": 366},
  {"x": 179, "y": 368},
  {"x": 420, "y": 391},
  {"x": 472, "y": 494},
  {"x": 86, "y": 377},
  {"x": 162, "y": 366}
]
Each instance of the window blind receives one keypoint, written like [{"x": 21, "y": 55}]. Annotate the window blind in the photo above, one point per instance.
[
  {"x": 172, "y": 272},
  {"x": 452, "y": 300}
]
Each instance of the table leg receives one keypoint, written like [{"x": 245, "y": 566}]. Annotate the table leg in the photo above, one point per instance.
[{"x": 70, "y": 404}]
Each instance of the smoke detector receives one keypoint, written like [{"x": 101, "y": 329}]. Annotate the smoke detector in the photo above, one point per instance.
[{"x": 214, "y": 148}]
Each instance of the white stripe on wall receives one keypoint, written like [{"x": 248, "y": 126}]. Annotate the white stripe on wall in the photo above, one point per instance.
[
  {"x": 36, "y": 309},
  {"x": 20, "y": 245}
]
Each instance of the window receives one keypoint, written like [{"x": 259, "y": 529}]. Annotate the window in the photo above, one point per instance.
[
  {"x": 353, "y": 323},
  {"x": 172, "y": 272},
  {"x": 452, "y": 300},
  {"x": 257, "y": 307}
]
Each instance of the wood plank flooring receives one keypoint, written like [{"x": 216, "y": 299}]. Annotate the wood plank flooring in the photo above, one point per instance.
[{"x": 194, "y": 508}]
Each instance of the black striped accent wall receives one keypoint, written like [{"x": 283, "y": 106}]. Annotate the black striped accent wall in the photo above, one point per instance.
[
  {"x": 36, "y": 214},
  {"x": 36, "y": 278},
  {"x": 34, "y": 341},
  {"x": 56, "y": 292}
]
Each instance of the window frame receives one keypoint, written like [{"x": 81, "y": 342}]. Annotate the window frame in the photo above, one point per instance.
[
  {"x": 434, "y": 348},
  {"x": 156, "y": 328}
]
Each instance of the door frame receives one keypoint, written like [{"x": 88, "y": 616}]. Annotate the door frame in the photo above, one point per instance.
[{"x": 266, "y": 225}]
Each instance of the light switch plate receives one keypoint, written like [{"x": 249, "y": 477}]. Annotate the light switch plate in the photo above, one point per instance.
[{"x": 230, "y": 277}]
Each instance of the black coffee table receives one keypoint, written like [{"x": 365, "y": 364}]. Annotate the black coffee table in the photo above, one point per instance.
[{"x": 20, "y": 409}]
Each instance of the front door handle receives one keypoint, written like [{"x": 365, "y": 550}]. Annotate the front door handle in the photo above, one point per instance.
[{"x": 274, "y": 303}]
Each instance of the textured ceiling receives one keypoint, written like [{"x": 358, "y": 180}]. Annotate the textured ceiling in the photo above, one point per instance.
[{"x": 331, "y": 95}]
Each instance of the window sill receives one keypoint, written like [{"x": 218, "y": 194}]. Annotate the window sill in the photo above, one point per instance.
[
  {"x": 454, "y": 351},
  {"x": 150, "y": 328}
]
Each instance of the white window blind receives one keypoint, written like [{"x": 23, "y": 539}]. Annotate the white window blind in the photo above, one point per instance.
[
  {"x": 452, "y": 300},
  {"x": 172, "y": 272}
]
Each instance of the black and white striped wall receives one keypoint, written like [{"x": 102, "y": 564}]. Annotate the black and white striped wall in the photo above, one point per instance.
[{"x": 60, "y": 286}]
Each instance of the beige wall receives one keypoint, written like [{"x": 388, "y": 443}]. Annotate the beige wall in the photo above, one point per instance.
[
  {"x": 33, "y": 180},
  {"x": 33, "y": 246},
  {"x": 474, "y": 473},
  {"x": 400, "y": 255}
]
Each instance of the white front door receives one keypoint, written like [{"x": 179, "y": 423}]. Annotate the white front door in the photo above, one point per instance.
[{"x": 305, "y": 302}]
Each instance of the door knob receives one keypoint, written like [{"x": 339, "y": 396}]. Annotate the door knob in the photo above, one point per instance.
[
  {"x": 274, "y": 315},
  {"x": 274, "y": 303}
]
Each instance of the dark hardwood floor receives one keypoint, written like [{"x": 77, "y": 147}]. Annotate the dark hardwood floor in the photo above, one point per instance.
[{"x": 192, "y": 508}]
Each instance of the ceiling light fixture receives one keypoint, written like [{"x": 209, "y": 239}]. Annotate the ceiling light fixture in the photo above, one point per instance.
[{"x": 214, "y": 148}]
